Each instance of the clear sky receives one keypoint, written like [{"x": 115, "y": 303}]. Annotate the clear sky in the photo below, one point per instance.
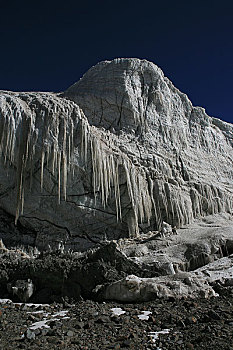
[{"x": 48, "y": 45}]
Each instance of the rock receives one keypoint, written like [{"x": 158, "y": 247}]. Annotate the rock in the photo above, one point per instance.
[
  {"x": 181, "y": 323},
  {"x": 103, "y": 319},
  {"x": 70, "y": 334},
  {"x": 127, "y": 343},
  {"x": 30, "y": 334},
  {"x": 121, "y": 151},
  {"x": 80, "y": 325},
  {"x": 229, "y": 282},
  {"x": 22, "y": 289},
  {"x": 214, "y": 315},
  {"x": 31, "y": 317},
  {"x": 134, "y": 289},
  {"x": 3, "y": 249},
  {"x": 164, "y": 331},
  {"x": 101, "y": 274},
  {"x": 44, "y": 331},
  {"x": 191, "y": 320}
]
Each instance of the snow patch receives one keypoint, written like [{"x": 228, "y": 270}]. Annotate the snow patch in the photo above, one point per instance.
[
  {"x": 117, "y": 311},
  {"x": 61, "y": 314},
  {"x": 39, "y": 324},
  {"x": 155, "y": 335},
  {"x": 144, "y": 315}
]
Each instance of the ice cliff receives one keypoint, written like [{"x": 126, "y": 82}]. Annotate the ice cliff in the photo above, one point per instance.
[{"x": 117, "y": 153}]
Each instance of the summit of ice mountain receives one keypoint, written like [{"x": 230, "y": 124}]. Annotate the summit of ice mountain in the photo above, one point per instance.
[
  {"x": 131, "y": 97},
  {"x": 121, "y": 151},
  {"x": 125, "y": 93}
]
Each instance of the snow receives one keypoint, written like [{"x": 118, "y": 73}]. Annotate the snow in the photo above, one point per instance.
[
  {"x": 39, "y": 324},
  {"x": 61, "y": 314},
  {"x": 54, "y": 317},
  {"x": 5, "y": 301},
  {"x": 117, "y": 311},
  {"x": 133, "y": 278},
  {"x": 155, "y": 335},
  {"x": 144, "y": 315}
]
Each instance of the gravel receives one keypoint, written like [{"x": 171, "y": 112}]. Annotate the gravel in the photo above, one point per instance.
[{"x": 171, "y": 324}]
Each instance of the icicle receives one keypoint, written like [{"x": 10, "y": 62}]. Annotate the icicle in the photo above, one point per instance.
[
  {"x": 64, "y": 161},
  {"x": 84, "y": 139},
  {"x": 7, "y": 134},
  {"x": 22, "y": 201},
  {"x": 42, "y": 169},
  {"x": 151, "y": 194},
  {"x": 69, "y": 153},
  {"x": 129, "y": 185},
  {"x": 19, "y": 194},
  {"x": 93, "y": 158},
  {"x": 59, "y": 176},
  {"x": 47, "y": 155},
  {"x": 104, "y": 180},
  {"x": 54, "y": 158},
  {"x": 115, "y": 171},
  {"x": 101, "y": 172},
  {"x": 12, "y": 141},
  {"x": 22, "y": 161}
]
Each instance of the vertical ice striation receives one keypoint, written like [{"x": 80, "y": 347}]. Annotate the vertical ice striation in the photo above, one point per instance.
[{"x": 39, "y": 130}]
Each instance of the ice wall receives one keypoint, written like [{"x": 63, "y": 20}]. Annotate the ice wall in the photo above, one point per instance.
[{"x": 119, "y": 152}]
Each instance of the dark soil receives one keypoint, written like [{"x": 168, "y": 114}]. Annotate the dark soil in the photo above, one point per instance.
[{"x": 193, "y": 324}]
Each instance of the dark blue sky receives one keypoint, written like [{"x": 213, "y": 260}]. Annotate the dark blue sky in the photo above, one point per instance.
[{"x": 48, "y": 45}]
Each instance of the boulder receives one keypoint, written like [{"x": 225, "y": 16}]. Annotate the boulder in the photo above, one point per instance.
[
  {"x": 136, "y": 289},
  {"x": 199, "y": 283},
  {"x": 22, "y": 289}
]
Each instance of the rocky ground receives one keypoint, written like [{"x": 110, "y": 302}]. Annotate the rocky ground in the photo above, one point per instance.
[
  {"x": 163, "y": 324},
  {"x": 176, "y": 292}
]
